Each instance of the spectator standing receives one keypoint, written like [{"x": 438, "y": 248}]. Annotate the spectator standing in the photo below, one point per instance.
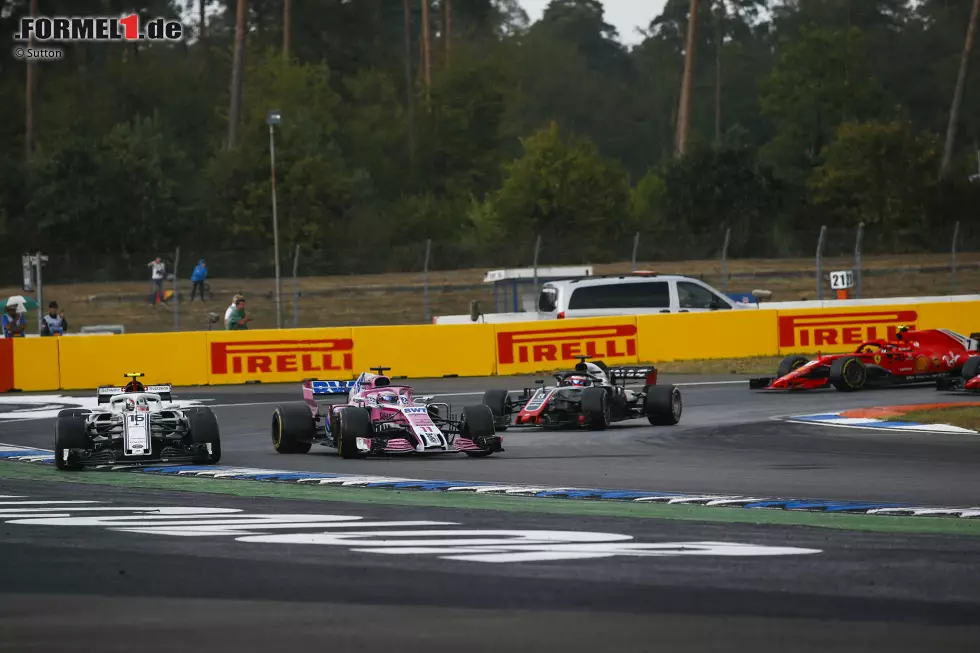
[
  {"x": 198, "y": 277},
  {"x": 231, "y": 309},
  {"x": 158, "y": 273},
  {"x": 239, "y": 317},
  {"x": 54, "y": 323},
  {"x": 14, "y": 323}
]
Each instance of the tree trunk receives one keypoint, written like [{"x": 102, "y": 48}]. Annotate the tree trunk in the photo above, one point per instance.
[
  {"x": 287, "y": 27},
  {"x": 684, "y": 110},
  {"x": 409, "y": 84},
  {"x": 238, "y": 65},
  {"x": 203, "y": 20},
  {"x": 426, "y": 54},
  {"x": 30, "y": 123},
  {"x": 447, "y": 28},
  {"x": 719, "y": 42},
  {"x": 954, "y": 112}
]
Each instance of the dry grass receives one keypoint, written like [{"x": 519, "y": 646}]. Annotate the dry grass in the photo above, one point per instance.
[
  {"x": 398, "y": 298},
  {"x": 763, "y": 366},
  {"x": 967, "y": 417}
]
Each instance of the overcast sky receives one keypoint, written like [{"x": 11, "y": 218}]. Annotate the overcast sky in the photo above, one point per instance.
[{"x": 625, "y": 15}]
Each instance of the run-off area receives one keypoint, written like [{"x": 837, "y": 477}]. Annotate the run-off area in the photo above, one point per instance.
[{"x": 445, "y": 540}]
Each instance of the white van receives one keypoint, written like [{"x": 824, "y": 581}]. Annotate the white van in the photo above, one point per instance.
[{"x": 630, "y": 294}]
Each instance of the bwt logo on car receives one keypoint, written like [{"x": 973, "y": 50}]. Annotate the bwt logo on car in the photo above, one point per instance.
[
  {"x": 282, "y": 356},
  {"x": 566, "y": 344},
  {"x": 842, "y": 328}
]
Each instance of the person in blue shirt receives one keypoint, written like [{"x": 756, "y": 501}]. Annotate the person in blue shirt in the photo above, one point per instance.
[
  {"x": 14, "y": 324},
  {"x": 198, "y": 277}
]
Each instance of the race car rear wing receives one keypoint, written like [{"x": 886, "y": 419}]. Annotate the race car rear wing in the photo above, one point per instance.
[
  {"x": 322, "y": 388},
  {"x": 647, "y": 374},
  {"x": 106, "y": 392}
]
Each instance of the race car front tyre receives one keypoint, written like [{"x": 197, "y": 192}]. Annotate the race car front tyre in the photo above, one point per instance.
[
  {"x": 478, "y": 426},
  {"x": 971, "y": 368},
  {"x": 789, "y": 364},
  {"x": 204, "y": 431},
  {"x": 663, "y": 405},
  {"x": 848, "y": 374},
  {"x": 69, "y": 433},
  {"x": 293, "y": 428},
  {"x": 352, "y": 423},
  {"x": 498, "y": 401},
  {"x": 595, "y": 407}
]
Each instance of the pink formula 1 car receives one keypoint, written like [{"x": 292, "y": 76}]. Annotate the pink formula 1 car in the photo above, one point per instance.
[{"x": 380, "y": 418}]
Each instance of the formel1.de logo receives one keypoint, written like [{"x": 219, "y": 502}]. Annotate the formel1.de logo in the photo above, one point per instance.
[{"x": 67, "y": 29}]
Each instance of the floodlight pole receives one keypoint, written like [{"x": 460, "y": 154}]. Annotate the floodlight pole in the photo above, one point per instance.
[{"x": 272, "y": 119}]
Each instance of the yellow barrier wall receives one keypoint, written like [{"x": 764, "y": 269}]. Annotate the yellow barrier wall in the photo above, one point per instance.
[
  {"x": 36, "y": 364},
  {"x": 841, "y": 330},
  {"x": 426, "y": 351},
  {"x": 961, "y": 317},
  {"x": 532, "y": 347},
  {"x": 693, "y": 336},
  {"x": 278, "y": 356},
  {"x": 221, "y": 357},
  {"x": 90, "y": 361}
]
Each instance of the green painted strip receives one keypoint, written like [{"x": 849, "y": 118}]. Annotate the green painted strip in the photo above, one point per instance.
[{"x": 881, "y": 524}]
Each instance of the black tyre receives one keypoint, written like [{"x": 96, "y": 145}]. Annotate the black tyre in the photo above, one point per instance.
[
  {"x": 663, "y": 405},
  {"x": 971, "y": 368},
  {"x": 351, "y": 423},
  {"x": 848, "y": 374},
  {"x": 204, "y": 430},
  {"x": 789, "y": 364},
  {"x": 73, "y": 412},
  {"x": 595, "y": 407},
  {"x": 69, "y": 433},
  {"x": 479, "y": 426},
  {"x": 498, "y": 401},
  {"x": 293, "y": 428}
]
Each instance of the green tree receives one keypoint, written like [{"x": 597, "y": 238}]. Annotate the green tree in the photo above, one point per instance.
[
  {"x": 563, "y": 190},
  {"x": 883, "y": 174},
  {"x": 712, "y": 189},
  {"x": 820, "y": 80}
]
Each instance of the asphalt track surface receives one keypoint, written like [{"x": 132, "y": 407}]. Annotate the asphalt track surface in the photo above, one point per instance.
[
  {"x": 730, "y": 441},
  {"x": 87, "y": 588},
  {"x": 90, "y": 588}
]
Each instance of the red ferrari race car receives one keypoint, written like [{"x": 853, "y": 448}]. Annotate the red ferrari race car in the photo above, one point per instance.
[
  {"x": 967, "y": 381},
  {"x": 926, "y": 356}
]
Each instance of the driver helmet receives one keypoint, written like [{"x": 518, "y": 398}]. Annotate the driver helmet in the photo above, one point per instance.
[
  {"x": 388, "y": 398},
  {"x": 130, "y": 405},
  {"x": 578, "y": 381}
]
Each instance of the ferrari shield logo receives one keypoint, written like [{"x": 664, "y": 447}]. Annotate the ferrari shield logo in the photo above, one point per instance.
[{"x": 877, "y": 358}]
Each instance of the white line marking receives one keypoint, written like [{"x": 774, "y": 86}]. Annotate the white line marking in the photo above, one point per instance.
[{"x": 867, "y": 427}]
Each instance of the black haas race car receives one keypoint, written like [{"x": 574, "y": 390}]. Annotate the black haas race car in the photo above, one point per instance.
[{"x": 592, "y": 395}]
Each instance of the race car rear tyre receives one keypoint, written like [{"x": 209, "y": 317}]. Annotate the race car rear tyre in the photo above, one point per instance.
[
  {"x": 663, "y": 405},
  {"x": 498, "y": 401},
  {"x": 204, "y": 430},
  {"x": 352, "y": 423},
  {"x": 595, "y": 407},
  {"x": 789, "y": 364},
  {"x": 848, "y": 374},
  {"x": 971, "y": 368},
  {"x": 69, "y": 433},
  {"x": 478, "y": 425},
  {"x": 293, "y": 428}
]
